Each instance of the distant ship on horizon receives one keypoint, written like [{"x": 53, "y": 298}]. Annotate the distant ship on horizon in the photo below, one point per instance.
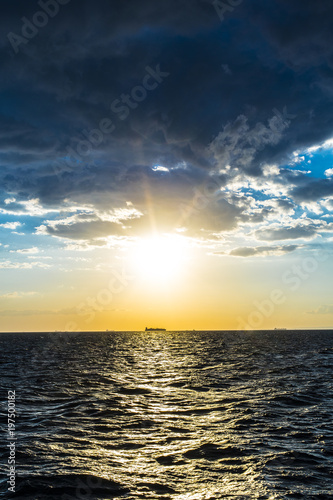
[{"x": 155, "y": 329}]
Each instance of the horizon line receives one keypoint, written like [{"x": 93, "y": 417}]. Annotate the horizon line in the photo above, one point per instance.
[{"x": 174, "y": 330}]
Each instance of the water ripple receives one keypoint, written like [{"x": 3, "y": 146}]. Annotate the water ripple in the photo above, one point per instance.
[{"x": 172, "y": 415}]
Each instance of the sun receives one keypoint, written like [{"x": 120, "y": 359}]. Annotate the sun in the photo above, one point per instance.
[{"x": 160, "y": 259}]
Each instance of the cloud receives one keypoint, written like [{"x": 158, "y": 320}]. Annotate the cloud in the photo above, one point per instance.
[
  {"x": 18, "y": 295},
  {"x": 119, "y": 42},
  {"x": 313, "y": 189},
  {"x": 238, "y": 144},
  {"x": 83, "y": 230},
  {"x": 32, "y": 250},
  {"x": 223, "y": 111},
  {"x": 286, "y": 233},
  {"x": 90, "y": 226},
  {"x": 23, "y": 265},
  {"x": 11, "y": 225},
  {"x": 31, "y": 207},
  {"x": 261, "y": 251}
]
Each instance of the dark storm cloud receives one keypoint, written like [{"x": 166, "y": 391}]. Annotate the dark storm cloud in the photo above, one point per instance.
[
  {"x": 246, "y": 91},
  {"x": 12, "y": 206},
  {"x": 313, "y": 190}
]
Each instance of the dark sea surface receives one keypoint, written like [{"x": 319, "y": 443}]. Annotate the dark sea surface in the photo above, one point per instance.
[{"x": 169, "y": 415}]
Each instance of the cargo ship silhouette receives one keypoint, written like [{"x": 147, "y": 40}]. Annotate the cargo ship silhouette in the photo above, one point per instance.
[{"x": 155, "y": 329}]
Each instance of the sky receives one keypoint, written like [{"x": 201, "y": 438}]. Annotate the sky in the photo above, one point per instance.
[{"x": 166, "y": 164}]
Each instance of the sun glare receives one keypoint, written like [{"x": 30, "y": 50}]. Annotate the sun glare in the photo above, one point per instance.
[{"x": 160, "y": 259}]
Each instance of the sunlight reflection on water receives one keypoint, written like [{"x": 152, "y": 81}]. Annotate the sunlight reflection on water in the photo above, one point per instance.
[{"x": 197, "y": 415}]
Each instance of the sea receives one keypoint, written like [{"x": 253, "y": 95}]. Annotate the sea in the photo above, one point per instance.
[{"x": 196, "y": 415}]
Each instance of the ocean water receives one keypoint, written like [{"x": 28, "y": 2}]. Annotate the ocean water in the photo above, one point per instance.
[{"x": 169, "y": 415}]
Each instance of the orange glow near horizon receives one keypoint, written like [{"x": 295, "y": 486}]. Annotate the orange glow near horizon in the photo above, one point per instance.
[{"x": 168, "y": 281}]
